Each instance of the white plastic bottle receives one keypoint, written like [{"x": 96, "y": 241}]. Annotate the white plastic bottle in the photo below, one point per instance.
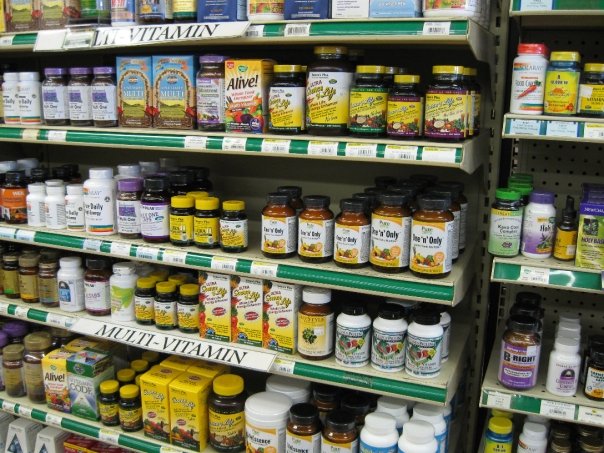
[
  {"x": 423, "y": 349},
  {"x": 10, "y": 98},
  {"x": 55, "y": 208},
  {"x": 533, "y": 418},
  {"x": 36, "y": 215},
  {"x": 395, "y": 407},
  {"x": 123, "y": 284},
  {"x": 27, "y": 164},
  {"x": 528, "y": 79},
  {"x": 539, "y": 225},
  {"x": 445, "y": 323},
  {"x": 353, "y": 336},
  {"x": 418, "y": 437},
  {"x": 30, "y": 98},
  {"x": 569, "y": 317},
  {"x": 435, "y": 416},
  {"x": 379, "y": 435},
  {"x": 564, "y": 367},
  {"x": 388, "y": 340},
  {"x": 131, "y": 170},
  {"x": 70, "y": 279},
  {"x": 533, "y": 439},
  {"x": 99, "y": 202},
  {"x": 568, "y": 329},
  {"x": 74, "y": 207}
]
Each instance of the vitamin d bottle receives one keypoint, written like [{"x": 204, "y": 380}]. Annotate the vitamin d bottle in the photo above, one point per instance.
[{"x": 181, "y": 220}]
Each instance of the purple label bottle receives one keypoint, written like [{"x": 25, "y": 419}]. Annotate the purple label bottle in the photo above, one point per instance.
[
  {"x": 520, "y": 351},
  {"x": 155, "y": 210}
]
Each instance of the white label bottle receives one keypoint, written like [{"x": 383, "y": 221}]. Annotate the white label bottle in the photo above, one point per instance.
[
  {"x": 71, "y": 284},
  {"x": 533, "y": 438},
  {"x": 564, "y": 367},
  {"x": 30, "y": 98},
  {"x": 538, "y": 226},
  {"x": 54, "y": 204},
  {"x": 10, "y": 98},
  {"x": 99, "y": 202},
  {"x": 123, "y": 284},
  {"x": 36, "y": 215},
  {"x": 74, "y": 207}
]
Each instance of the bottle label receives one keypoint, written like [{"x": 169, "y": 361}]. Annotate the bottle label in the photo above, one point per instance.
[
  {"x": 165, "y": 314},
  {"x": 528, "y": 86},
  {"x": 55, "y": 215},
  {"x": 561, "y": 91},
  {"x": 495, "y": 446},
  {"x": 315, "y": 238},
  {"x": 594, "y": 383},
  {"x": 565, "y": 247},
  {"x": 591, "y": 99},
  {"x": 80, "y": 105},
  {"x": 131, "y": 418},
  {"x": 210, "y": 101},
  {"x": 109, "y": 413},
  {"x": 48, "y": 290},
  {"x": 14, "y": 204},
  {"x": 315, "y": 334},
  {"x": 104, "y": 102},
  {"x": 71, "y": 294},
  {"x": 99, "y": 210},
  {"x": 122, "y": 303},
  {"x": 432, "y": 246},
  {"x": 215, "y": 306},
  {"x": 155, "y": 220},
  {"x": 446, "y": 114},
  {"x": 264, "y": 439},
  {"x": 286, "y": 108},
  {"x": 328, "y": 446},
  {"x": 97, "y": 295},
  {"x": 388, "y": 350},
  {"x": 271, "y": 7},
  {"x": 184, "y": 8},
  {"x": 233, "y": 233},
  {"x": 423, "y": 355},
  {"x": 352, "y": 243},
  {"x": 28, "y": 286},
  {"x": 368, "y": 110},
  {"x": 405, "y": 116},
  {"x": 74, "y": 213},
  {"x": 504, "y": 232},
  {"x": 129, "y": 217},
  {"x": 537, "y": 233},
  {"x": 327, "y": 96},
  {"x": 279, "y": 234},
  {"x": 226, "y": 430},
  {"x": 353, "y": 345},
  {"x": 30, "y": 106},
  {"x": 367, "y": 448},
  {"x": 55, "y": 102},
  {"x": 469, "y": 5},
  {"x": 36, "y": 213},
  {"x": 295, "y": 443},
  {"x": 144, "y": 308},
  {"x": 566, "y": 377},
  {"x": 11, "y": 105},
  {"x": 206, "y": 230},
  {"x": 390, "y": 241},
  {"x": 181, "y": 228},
  {"x": 188, "y": 316},
  {"x": 11, "y": 282},
  {"x": 518, "y": 365}
]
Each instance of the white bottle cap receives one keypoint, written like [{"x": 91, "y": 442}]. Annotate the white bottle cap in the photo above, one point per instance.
[
  {"x": 10, "y": 76},
  {"x": 55, "y": 190},
  {"x": 418, "y": 432},
  {"x": 129, "y": 170},
  {"x": 54, "y": 182},
  {"x": 445, "y": 318},
  {"x": 570, "y": 317},
  {"x": 427, "y": 412},
  {"x": 317, "y": 296},
  {"x": 75, "y": 189},
  {"x": 535, "y": 431},
  {"x": 37, "y": 187},
  {"x": 70, "y": 262},
  {"x": 124, "y": 268},
  {"x": 569, "y": 327},
  {"x": 8, "y": 165},
  {"x": 100, "y": 173},
  {"x": 537, "y": 419},
  {"x": 393, "y": 406},
  {"x": 28, "y": 76},
  {"x": 380, "y": 423},
  {"x": 297, "y": 390},
  {"x": 27, "y": 164},
  {"x": 568, "y": 345}
]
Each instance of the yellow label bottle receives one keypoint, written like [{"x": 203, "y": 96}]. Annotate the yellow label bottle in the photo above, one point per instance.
[
  {"x": 562, "y": 84},
  {"x": 181, "y": 220},
  {"x": 206, "y": 224}
]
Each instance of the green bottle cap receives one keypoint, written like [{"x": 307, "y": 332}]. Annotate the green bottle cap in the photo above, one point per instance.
[{"x": 507, "y": 194}]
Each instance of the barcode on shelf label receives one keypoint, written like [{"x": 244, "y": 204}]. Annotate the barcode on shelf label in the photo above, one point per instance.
[
  {"x": 296, "y": 30},
  {"x": 537, "y": 275},
  {"x": 264, "y": 269},
  {"x": 234, "y": 143},
  {"x": 361, "y": 149},
  {"x": 594, "y": 130},
  {"x": 562, "y": 129},
  {"x": 6, "y": 40},
  {"x": 53, "y": 420},
  {"x": 8, "y": 406},
  {"x": 590, "y": 415},
  {"x": 21, "y": 312},
  {"x": 174, "y": 257},
  {"x": 57, "y": 136},
  {"x": 436, "y": 154},
  {"x": 224, "y": 264},
  {"x": 255, "y": 31},
  {"x": 147, "y": 253},
  {"x": 94, "y": 245},
  {"x": 25, "y": 411},
  {"x": 270, "y": 145},
  {"x": 4, "y": 308},
  {"x": 499, "y": 400},
  {"x": 7, "y": 233},
  {"x": 283, "y": 366},
  {"x": 556, "y": 409},
  {"x": 400, "y": 152},
  {"x": 436, "y": 28},
  {"x": 525, "y": 127},
  {"x": 30, "y": 134},
  {"x": 120, "y": 249},
  {"x": 109, "y": 436},
  {"x": 58, "y": 320},
  {"x": 25, "y": 235},
  {"x": 196, "y": 142},
  {"x": 536, "y": 5},
  {"x": 316, "y": 148}
]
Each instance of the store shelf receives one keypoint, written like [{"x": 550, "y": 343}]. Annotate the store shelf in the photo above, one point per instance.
[
  {"x": 572, "y": 129},
  {"x": 547, "y": 273},
  {"x": 466, "y": 156},
  {"x": 558, "y": 13},
  {"x": 439, "y": 390},
  {"x": 574, "y": 409},
  {"x": 447, "y": 291}
]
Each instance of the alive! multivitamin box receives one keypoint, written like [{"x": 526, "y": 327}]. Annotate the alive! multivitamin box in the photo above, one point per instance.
[
  {"x": 189, "y": 412},
  {"x": 174, "y": 98},
  {"x": 54, "y": 369},
  {"x": 280, "y": 314},
  {"x": 155, "y": 401},
  {"x": 134, "y": 91},
  {"x": 246, "y": 95},
  {"x": 215, "y": 306},
  {"x": 246, "y": 310}
]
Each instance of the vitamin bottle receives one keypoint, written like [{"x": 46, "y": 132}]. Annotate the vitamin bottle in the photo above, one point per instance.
[
  {"x": 60, "y": 337},
  {"x": 298, "y": 391},
  {"x": 29, "y": 95},
  {"x": 434, "y": 416},
  {"x": 295, "y": 197},
  {"x": 3, "y": 343},
  {"x": 315, "y": 324},
  {"x": 279, "y": 227},
  {"x": 12, "y": 368},
  {"x": 139, "y": 366},
  {"x": 423, "y": 346},
  {"x": 152, "y": 357},
  {"x": 233, "y": 227},
  {"x": 395, "y": 407},
  {"x": 130, "y": 410},
  {"x": 80, "y": 99},
  {"x": 55, "y": 99},
  {"x": 520, "y": 351},
  {"x": 446, "y": 104},
  {"x": 36, "y": 344},
  {"x": 303, "y": 429},
  {"x": 54, "y": 202},
  {"x": 499, "y": 436},
  {"x": 357, "y": 404},
  {"x": 129, "y": 170},
  {"x": 109, "y": 402},
  {"x": 538, "y": 225},
  {"x": 328, "y": 117},
  {"x": 14, "y": 198},
  {"x": 353, "y": 336},
  {"x": 533, "y": 438},
  {"x": 340, "y": 433},
  {"x": 368, "y": 102},
  {"x": 474, "y": 100},
  {"x": 594, "y": 376},
  {"x": 144, "y": 299},
  {"x": 10, "y": 98},
  {"x": 125, "y": 376},
  {"x": 122, "y": 284},
  {"x": 379, "y": 434},
  {"x": 74, "y": 208},
  {"x": 505, "y": 224},
  {"x": 165, "y": 306},
  {"x": 155, "y": 210},
  {"x": 10, "y": 271},
  {"x": 266, "y": 416},
  {"x": 417, "y": 437},
  {"x": 528, "y": 79},
  {"x": 564, "y": 367},
  {"x": 48, "y": 287},
  {"x": 128, "y": 204},
  {"x": 206, "y": 223},
  {"x": 591, "y": 91},
  {"x": 181, "y": 220},
  {"x": 390, "y": 234},
  {"x": 104, "y": 97},
  {"x": 36, "y": 213},
  {"x": 287, "y": 100},
  {"x": 405, "y": 109},
  {"x": 210, "y": 93},
  {"x": 352, "y": 235},
  {"x": 315, "y": 230},
  {"x": 16, "y": 331},
  {"x": 226, "y": 414},
  {"x": 28, "y": 277},
  {"x": 99, "y": 202},
  {"x": 97, "y": 290},
  {"x": 565, "y": 246},
  {"x": 188, "y": 308},
  {"x": 562, "y": 84},
  {"x": 180, "y": 182},
  {"x": 451, "y": 193},
  {"x": 71, "y": 284}
]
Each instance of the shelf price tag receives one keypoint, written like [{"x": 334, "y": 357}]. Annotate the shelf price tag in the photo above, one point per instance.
[
  {"x": 275, "y": 146},
  {"x": 109, "y": 436},
  {"x": 25, "y": 235},
  {"x": 7, "y": 233},
  {"x": 57, "y": 136},
  {"x": 168, "y": 449},
  {"x": 590, "y": 415},
  {"x": 94, "y": 245},
  {"x": 536, "y": 5},
  {"x": 296, "y": 30},
  {"x": 120, "y": 249},
  {"x": 53, "y": 420},
  {"x": 556, "y": 409},
  {"x": 196, "y": 142},
  {"x": 400, "y": 152},
  {"x": 174, "y": 257},
  {"x": 21, "y": 312},
  {"x": 436, "y": 154},
  {"x": 316, "y": 148},
  {"x": 220, "y": 263},
  {"x": 436, "y": 28},
  {"x": 234, "y": 143},
  {"x": 55, "y": 319},
  {"x": 8, "y": 406},
  {"x": 265, "y": 270},
  {"x": 361, "y": 150},
  {"x": 147, "y": 253},
  {"x": 499, "y": 400},
  {"x": 4, "y": 308},
  {"x": 284, "y": 366},
  {"x": 30, "y": 134},
  {"x": 536, "y": 275},
  {"x": 6, "y": 41},
  {"x": 78, "y": 39},
  {"x": 525, "y": 127},
  {"x": 255, "y": 31},
  {"x": 594, "y": 130},
  {"x": 25, "y": 411},
  {"x": 562, "y": 129}
]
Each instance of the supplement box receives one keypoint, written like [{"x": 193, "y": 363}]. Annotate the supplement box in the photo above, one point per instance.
[
  {"x": 189, "y": 412},
  {"x": 306, "y": 9},
  {"x": 349, "y": 9},
  {"x": 5, "y": 420},
  {"x": 590, "y": 240},
  {"x": 21, "y": 435},
  {"x": 53, "y": 14},
  {"x": 395, "y": 8},
  {"x": 246, "y": 95},
  {"x": 21, "y": 15},
  {"x": 79, "y": 444},
  {"x": 221, "y": 10},
  {"x": 208, "y": 369},
  {"x": 79, "y": 344},
  {"x": 54, "y": 369},
  {"x": 178, "y": 363},
  {"x": 155, "y": 402},
  {"x": 246, "y": 310},
  {"x": 85, "y": 372},
  {"x": 50, "y": 440},
  {"x": 2, "y": 21},
  {"x": 174, "y": 97},
  {"x": 134, "y": 91},
  {"x": 215, "y": 306},
  {"x": 280, "y": 315}
]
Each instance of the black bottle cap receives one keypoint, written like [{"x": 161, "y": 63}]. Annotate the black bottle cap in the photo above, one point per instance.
[
  {"x": 354, "y": 309},
  {"x": 72, "y": 169},
  {"x": 522, "y": 323},
  {"x": 408, "y": 192},
  {"x": 96, "y": 264},
  {"x": 198, "y": 172},
  {"x": 384, "y": 182},
  {"x": 316, "y": 201},
  {"x": 156, "y": 183},
  {"x": 369, "y": 199},
  {"x": 292, "y": 191},
  {"x": 426, "y": 316},
  {"x": 353, "y": 205},
  {"x": 390, "y": 311},
  {"x": 356, "y": 403},
  {"x": 278, "y": 198},
  {"x": 304, "y": 414},
  {"x": 569, "y": 213},
  {"x": 454, "y": 185},
  {"x": 340, "y": 421},
  {"x": 15, "y": 177},
  {"x": 325, "y": 392},
  {"x": 38, "y": 173},
  {"x": 597, "y": 355},
  {"x": 529, "y": 298},
  {"x": 440, "y": 189},
  {"x": 431, "y": 179},
  {"x": 181, "y": 177},
  {"x": 392, "y": 199},
  {"x": 433, "y": 202},
  {"x": 417, "y": 185},
  {"x": 374, "y": 190},
  {"x": 61, "y": 173},
  {"x": 525, "y": 309}
]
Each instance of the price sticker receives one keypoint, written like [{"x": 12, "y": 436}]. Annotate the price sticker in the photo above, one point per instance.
[
  {"x": 265, "y": 270},
  {"x": 174, "y": 257},
  {"x": 270, "y": 145},
  {"x": 234, "y": 143},
  {"x": 57, "y": 136},
  {"x": 147, "y": 253},
  {"x": 55, "y": 319},
  {"x": 94, "y": 245},
  {"x": 21, "y": 312},
  {"x": 30, "y": 134},
  {"x": 361, "y": 150},
  {"x": 401, "y": 152},
  {"x": 436, "y": 28},
  {"x": 562, "y": 129},
  {"x": 556, "y": 409},
  {"x": 536, "y": 5},
  {"x": 25, "y": 235},
  {"x": 590, "y": 415},
  {"x": 78, "y": 39},
  {"x": 499, "y": 400},
  {"x": 167, "y": 449},
  {"x": 120, "y": 249},
  {"x": 196, "y": 142},
  {"x": 436, "y": 154},
  {"x": 53, "y": 420},
  {"x": 7, "y": 233},
  {"x": 594, "y": 130},
  {"x": 525, "y": 127},
  {"x": 25, "y": 411},
  {"x": 283, "y": 366},
  {"x": 8, "y": 406},
  {"x": 6, "y": 41},
  {"x": 296, "y": 30},
  {"x": 224, "y": 264},
  {"x": 4, "y": 308},
  {"x": 255, "y": 31},
  {"x": 109, "y": 436},
  {"x": 316, "y": 148},
  {"x": 535, "y": 275}
]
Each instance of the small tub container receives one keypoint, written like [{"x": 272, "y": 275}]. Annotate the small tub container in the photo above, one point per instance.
[
  {"x": 296, "y": 390},
  {"x": 266, "y": 411}
]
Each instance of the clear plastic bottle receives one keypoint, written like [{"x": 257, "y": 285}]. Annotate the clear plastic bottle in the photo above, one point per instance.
[
  {"x": 36, "y": 213},
  {"x": 123, "y": 284},
  {"x": 564, "y": 367},
  {"x": 74, "y": 207},
  {"x": 99, "y": 202},
  {"x": 71, "y": 284},
  {"x": 417, "y": 437},
  {"x": 54, "y": 203}
]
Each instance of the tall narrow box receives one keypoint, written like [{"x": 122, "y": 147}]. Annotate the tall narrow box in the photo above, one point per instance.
[
  {"x": 280, "y": 315},
  {"x": 5, "y": 420},
  {"x": 221, "y": 10},
  {"x": 54, "y": 369},
  {"x": 21, "y": 435},
  {"x": 135, "y": 91},
  {"x": 246, "y": 310},
  {"x": 156, "y": 402},
  {"x": 214, "y": 306}
]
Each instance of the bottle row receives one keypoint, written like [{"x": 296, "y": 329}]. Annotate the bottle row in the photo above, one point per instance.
[
  {"x": 523, "y": 221},
  {"x": 557, "y": 86},
  {"x": 253, "y": 96}
]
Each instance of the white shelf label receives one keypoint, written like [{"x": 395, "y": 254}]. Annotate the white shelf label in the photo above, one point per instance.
[
  {"x": 120, "y": 249},
  {"x": 436, "y": 154},
  {"x": 25, "y": 411},
  {"x": 255, "y": 31},
  {"x": 525, "y": 127},
  {"x": 284, "y": 366},
  {"x": 316, "y": 148},
  {"x": 224, "y": 264},
  {"x": 556, "y": 409},
  {"x": 109, "y": 436},
  {"x": 55, "y": 319},
  {"x": 536, "y": 5},
  {"x": 436, "y": 28},
  {"x": 147, "y": 253},
  {"x": 275, "y": 146},
  {"x": 94, "y": 245},
  {"x": 591, "y": 415},
  {"x": 21, "y": 312},
  {"x": 499, "y": 400},
  {"x": 30, "y": 134},
  {"x": 594, "y": 130},
  {"x": 265, "y": 270},
  {"x": 296, "y": 30},
  {"x": 361, "y": 150},
  {"x": 174, "y": 257},
  {"x": 25, "y": 235},
  {"x": 7, "y": 233},
  {"x": 168, "y": 449},
  {"x": 234, "y": 143},
  {"x": 78, "y": 39},
  {"x": 401, "y": 152},
  {"x": 50, "y": 40},
  {"x": 562, "y": 129},
  {"x": 196, "y": 142},
  {"x": 4, "y": 308},
  {"x": 53, "y": 420},
  {"x": 539, "y": 275},
  {"x": 8, "y": 406},
  {"x": 57, "y": 136},
  {"x": 6, "y": 41}
]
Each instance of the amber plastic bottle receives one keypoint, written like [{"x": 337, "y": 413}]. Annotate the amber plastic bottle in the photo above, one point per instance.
[
  {"x": 279, "y": 222},
  {"x": 390, "y": 230},
  {"x": 340, "y": 431},
  {"x": 28, "y": 277},
  {"x": 226, "y": 405},
  {"x": 12, "y": 368},
  {"x": 326, "y": 399},
  {"x": 10, "y": 269},
  {"x": 37, "y": 345},
  {"x": 295, "y": 197},
  {"x": 303, "y": 427},
  {"x": 233, "y": 227},
  {"x": 315, "y": 230},
  {"x": 352, "y": 234}
]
